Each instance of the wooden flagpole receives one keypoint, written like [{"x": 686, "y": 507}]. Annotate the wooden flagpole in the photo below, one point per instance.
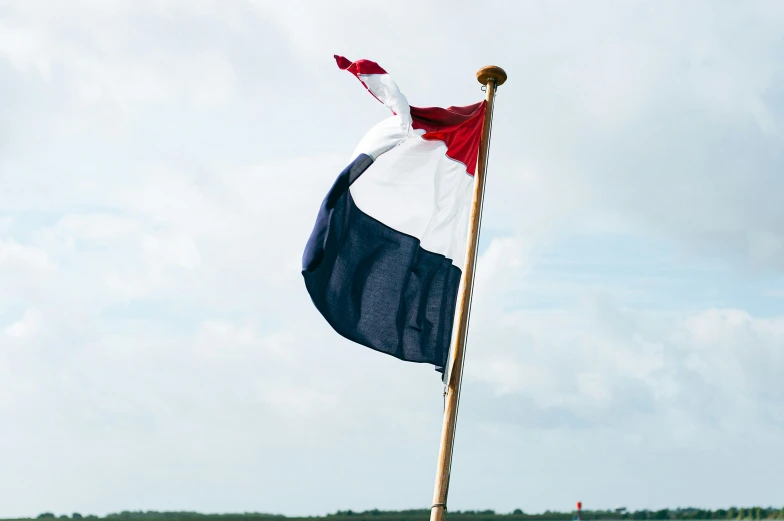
[{"x": 491, "y": 77}]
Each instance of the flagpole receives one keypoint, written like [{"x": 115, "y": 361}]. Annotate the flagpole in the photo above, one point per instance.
[{"x": 491, "y": 77}]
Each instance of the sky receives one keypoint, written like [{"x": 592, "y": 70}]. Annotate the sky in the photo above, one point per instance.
[{"x": 161, "y": 166}]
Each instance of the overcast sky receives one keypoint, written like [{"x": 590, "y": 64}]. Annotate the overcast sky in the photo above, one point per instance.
[{"x": 161, "y": 167}]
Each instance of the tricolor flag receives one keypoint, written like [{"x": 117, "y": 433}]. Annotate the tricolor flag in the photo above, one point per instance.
[{"x": 383, "y": 263}]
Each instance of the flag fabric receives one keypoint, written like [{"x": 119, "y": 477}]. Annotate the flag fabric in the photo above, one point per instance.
[{"x": 383, "y": 263}]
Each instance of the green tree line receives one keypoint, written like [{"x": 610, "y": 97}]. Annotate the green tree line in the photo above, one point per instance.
[{"x": 733, "y": 513}]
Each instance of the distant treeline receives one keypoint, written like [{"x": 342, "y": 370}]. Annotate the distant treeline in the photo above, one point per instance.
[{"x": 734, "y": 513}]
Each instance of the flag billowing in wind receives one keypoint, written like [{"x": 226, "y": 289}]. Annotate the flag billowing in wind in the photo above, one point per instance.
[{"x": 383, "y": 263}]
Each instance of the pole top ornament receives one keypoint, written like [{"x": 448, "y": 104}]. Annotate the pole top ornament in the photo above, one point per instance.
[{"x": 491, "y": 72}]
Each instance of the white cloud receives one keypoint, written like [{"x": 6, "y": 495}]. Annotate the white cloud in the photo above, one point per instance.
[
  {"x": 95, "y": 226},
  {"x": 161, "y": 165},
  {"x": 15, "y": 256},
  {"x": 25, "y": 326},
  {"x": 599, "y": 356}
]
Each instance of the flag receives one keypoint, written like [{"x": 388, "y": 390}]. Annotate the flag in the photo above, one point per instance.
[{"x": 383, "y": 263}]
